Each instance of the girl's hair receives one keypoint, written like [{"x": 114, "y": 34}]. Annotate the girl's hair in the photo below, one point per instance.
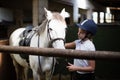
[{"x": 89, "y": 35}]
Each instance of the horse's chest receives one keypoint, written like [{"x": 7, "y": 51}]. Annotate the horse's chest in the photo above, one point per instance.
[{"x": 47, "y": 63}]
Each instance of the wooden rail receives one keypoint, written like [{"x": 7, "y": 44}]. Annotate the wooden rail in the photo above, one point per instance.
[{"x": 67, "y": 53}]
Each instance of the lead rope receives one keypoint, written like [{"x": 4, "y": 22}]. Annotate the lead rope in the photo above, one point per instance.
[
  {"x": 53, "y": 64},
  {"x": 39, "y": 56}
]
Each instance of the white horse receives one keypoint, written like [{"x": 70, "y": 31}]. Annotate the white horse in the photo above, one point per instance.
[{"x": 51, "y": 33}]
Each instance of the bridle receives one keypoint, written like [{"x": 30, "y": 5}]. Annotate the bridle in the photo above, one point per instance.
[
  {"x": 50, "y": 46},
  {"x": 52, "y": 40}
]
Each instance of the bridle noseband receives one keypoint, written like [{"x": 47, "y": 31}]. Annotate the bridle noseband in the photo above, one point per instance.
[{"x": 52, "y": 40}]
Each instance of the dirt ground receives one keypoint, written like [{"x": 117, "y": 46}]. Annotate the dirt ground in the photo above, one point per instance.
[{"x": 59, "y": 77}]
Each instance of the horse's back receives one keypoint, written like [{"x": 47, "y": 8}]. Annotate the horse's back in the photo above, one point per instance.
[{"x": 15, "y": 37}]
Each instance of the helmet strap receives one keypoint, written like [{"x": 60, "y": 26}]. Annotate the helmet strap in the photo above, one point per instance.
[{"x": 88, "y": 36}]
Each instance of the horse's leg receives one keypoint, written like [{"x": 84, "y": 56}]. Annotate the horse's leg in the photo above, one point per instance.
[
  {"x": 48, "y": 75},
  {"x": 36, "y": 76},
  {"x": 26, "y": 73},
  {"x": 22, "y": 72},
  {"x": 21, "y": 67},
  {"x": 17, "y": 69}
]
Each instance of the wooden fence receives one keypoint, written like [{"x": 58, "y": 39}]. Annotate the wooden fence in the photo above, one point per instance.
[{"x": 69, "y": 53}]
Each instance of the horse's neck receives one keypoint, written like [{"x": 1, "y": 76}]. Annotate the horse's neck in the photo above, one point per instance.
[{"x": 44, "y": 39}]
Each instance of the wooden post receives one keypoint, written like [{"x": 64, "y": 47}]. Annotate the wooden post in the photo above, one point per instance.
[
  {"x": 35, "y": 12},
  {"x": 89, "y": 14},
  {"x": 7, "y": 71},
  {"x": 42, "y": 4},
  {"x": 75, "y": 11},
  {"x": 19, "y": 17},
  {"x": 2, "y": 42},
  {"x": 38, "y": 11}
]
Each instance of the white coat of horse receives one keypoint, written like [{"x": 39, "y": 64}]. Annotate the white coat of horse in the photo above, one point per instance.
[{"x": 50, "y": 33}]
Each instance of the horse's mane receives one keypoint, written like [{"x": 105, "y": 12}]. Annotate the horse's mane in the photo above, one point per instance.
[{"x": 42, "y": 27}]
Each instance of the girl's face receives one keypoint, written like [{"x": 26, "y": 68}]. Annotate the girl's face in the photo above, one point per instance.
[{"x": 81, "y": 33}]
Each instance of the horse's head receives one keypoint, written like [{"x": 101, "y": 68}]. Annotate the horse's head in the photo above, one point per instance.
[{"x": 56, "y": 28}]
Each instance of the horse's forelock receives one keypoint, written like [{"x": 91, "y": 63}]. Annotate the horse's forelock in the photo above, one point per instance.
[{"x": 57, "y": 16}]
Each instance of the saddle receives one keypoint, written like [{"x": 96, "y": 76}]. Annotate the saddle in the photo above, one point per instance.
[{"x": 25, "y": 41}]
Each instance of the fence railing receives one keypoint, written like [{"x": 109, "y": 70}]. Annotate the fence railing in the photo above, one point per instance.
[{"x": 69, "y": 53}]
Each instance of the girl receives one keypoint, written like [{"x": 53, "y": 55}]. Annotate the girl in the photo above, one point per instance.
[{"x": 84, "y": 69}]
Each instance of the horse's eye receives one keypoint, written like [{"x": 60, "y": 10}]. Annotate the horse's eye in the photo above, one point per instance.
[
  {"x": 66, "y": 29},
  {"x": 50, "y": 29}
]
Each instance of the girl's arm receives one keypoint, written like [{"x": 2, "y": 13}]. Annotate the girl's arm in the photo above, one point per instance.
[{"x": 70, "y": 45}]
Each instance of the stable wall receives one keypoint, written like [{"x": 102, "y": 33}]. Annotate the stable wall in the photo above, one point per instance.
[{"x": 106, "y": 39}]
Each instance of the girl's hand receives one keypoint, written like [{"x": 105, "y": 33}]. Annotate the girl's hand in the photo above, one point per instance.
[{"x": 71, "y": 67}]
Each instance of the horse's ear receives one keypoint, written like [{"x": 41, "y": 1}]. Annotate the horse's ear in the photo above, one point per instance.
[
  {"x": 48, "y": 14},
  {"x": 64, "y": 14}
]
